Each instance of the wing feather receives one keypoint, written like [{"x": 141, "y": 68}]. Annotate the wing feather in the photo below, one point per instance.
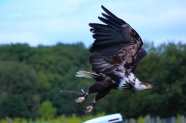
[
  {"x": 117, "y": 45},
  {"x": 113, "y": 16},
  {"x": 112, "y": 20}
]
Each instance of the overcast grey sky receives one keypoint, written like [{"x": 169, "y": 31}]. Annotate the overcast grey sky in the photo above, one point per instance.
[{"x": 47, "y": 22}]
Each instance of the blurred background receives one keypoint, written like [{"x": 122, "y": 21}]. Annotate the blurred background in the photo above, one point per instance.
[{"x": 43, "y": 43}]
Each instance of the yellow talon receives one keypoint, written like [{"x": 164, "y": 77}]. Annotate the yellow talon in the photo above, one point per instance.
[
  {"x": 89, "y": 109},
  {"x": 80, "y": 99}
]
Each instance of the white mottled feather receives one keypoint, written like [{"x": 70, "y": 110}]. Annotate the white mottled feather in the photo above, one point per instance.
[{"x": 131, "y": 78}]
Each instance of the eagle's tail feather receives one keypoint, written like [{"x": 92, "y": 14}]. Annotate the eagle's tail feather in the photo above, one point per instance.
[{"x": 86, "y": 74}]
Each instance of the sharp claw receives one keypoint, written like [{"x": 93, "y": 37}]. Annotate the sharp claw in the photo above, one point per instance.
[{"x": 76, "y": 100}]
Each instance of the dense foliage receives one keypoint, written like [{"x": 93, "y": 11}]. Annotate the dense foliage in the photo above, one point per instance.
[{"x": 31, "y": 77}]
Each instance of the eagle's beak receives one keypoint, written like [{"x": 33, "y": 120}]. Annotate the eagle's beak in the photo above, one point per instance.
[{"x": 149, "y": 86}]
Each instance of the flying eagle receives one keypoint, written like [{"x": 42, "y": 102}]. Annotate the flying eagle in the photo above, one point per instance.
[{"x": 116, "y": 52}]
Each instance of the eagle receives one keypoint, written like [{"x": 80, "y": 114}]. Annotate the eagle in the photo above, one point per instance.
[{"x": 115, "y": 54}]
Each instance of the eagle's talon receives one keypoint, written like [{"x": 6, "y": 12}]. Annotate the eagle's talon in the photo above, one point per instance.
[
  {"x": 89, "y": 109},
  {"x": 79, "y": 99}
]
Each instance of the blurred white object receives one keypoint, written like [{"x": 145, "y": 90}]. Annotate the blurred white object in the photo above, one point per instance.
[{"x": 113, "y": 118}]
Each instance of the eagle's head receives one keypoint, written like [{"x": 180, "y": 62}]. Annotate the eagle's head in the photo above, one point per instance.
[{"x": 142, "y": 86}]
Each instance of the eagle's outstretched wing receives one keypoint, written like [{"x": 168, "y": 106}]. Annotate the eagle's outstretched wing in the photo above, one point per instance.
[{"x": 117, "y": 45}]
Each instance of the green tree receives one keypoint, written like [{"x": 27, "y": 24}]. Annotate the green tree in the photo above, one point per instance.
[
  {"x": 14, "y": 106},
  {"x": 19, "y": 79},
  {"x": 46, "y": 110}
]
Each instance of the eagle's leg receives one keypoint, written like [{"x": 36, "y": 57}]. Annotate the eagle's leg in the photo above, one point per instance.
[
  {"x": 97, "y": 97},
  {"x": 96, "y": 87}
]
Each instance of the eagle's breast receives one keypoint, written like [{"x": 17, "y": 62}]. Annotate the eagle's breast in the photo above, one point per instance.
[{"x": 127, "y": 82}]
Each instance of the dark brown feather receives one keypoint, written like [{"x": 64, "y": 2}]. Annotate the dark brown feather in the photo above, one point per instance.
[
  {"x": 116, "y": 45},
  {"x": 140, "y": 55}
]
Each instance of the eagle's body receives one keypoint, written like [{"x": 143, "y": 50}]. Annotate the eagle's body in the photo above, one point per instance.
[{"x": 116, "y": 52}]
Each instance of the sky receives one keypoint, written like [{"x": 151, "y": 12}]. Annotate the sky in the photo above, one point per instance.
[{"x": 47, "y": 22}]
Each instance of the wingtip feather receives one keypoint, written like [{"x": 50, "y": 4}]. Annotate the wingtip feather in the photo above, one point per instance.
[{"x": 102, "y": 6}]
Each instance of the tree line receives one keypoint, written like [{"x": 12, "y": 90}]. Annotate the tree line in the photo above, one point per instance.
[{"x": 31, "y": 77}]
